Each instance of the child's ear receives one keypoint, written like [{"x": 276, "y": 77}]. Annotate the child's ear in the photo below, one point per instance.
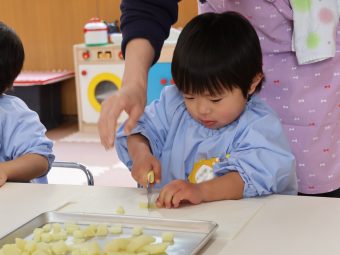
[{"x": 256, "y": 81}]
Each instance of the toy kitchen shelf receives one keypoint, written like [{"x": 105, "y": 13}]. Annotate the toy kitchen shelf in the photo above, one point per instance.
[{"x": 41, "y": 91}]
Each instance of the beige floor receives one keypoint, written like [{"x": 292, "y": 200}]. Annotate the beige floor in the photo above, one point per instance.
[{"x": 85, "y": 148}]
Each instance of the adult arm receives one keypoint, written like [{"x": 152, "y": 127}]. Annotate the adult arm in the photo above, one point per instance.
[
  {"x": 148, "y": 19},
  {"x": 145, "y": 25}
]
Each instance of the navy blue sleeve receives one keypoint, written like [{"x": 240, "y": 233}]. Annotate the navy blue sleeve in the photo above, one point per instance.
[{"x": 149, "y": 19}]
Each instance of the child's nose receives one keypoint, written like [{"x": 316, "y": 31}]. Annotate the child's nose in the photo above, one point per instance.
[{"x": 203, "y": 109}]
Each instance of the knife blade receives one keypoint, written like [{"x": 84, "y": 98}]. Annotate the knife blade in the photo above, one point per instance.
[{"x": 151, "y": 179}]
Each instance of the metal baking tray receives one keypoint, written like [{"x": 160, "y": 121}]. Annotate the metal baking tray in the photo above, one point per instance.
[{"x": 189, "y": 235}]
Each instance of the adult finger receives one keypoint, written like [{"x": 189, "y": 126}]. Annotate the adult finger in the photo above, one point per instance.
[
  {"x": 134, "y": 116},
  {"x": 108, "y": 121}
]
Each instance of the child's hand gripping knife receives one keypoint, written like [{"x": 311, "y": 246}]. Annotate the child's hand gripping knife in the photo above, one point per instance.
[{"x": 143, "y": 160}]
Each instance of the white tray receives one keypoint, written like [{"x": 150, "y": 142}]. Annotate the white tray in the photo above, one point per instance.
[{"x": 189, "y": 235}]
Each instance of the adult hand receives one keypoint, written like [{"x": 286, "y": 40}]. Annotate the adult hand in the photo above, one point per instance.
[
  {"x": 132, "y": 100},
  {"x": 178, "y": 191}
]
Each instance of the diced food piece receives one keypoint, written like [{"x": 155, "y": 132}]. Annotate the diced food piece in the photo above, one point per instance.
[
  {"x": 118, "y": 244},
  {"x": 79, "y": 240},
  {"x": 43, "y": 247},
  {"x": 30, "y": 246},
  {"x": 9, "y": 249},
  {"x": 56, "y": 227},
  {"x": 20, "y": 243},
  {"x": 37, "y": 232},
  {"x": 139, "y": 242},
  {"x": 167, "y": 237},
  {"x": 47, "y": 227},
  {"x": 71, "y": 227},
  {"x": 78, "y": 234},
  {"x": 117, "y": 229},
  {"x": 91, "y": 248},
  {"x": 155, "y": 248},
  {"x": 89, "y": 232},
  {"x": 137, "y": 231},
  {"x": 59, "y": 248},
  {"x": 62, "y": 235},
  {"x": 120, "y": 210},
  {"x": 144, "y": 205},
  {"x": 102, "y": 230},
  {"x": 46, "y": 237}
]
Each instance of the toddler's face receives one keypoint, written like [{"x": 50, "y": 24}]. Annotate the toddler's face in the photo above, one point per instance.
[{"x": 216, "y": 111}]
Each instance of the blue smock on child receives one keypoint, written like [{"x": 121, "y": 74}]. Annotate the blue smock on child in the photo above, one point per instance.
[{"x": 254, "y": 145}]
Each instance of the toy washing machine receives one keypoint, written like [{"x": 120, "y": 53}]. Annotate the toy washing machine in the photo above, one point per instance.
[{"x": 99, "y": 72}]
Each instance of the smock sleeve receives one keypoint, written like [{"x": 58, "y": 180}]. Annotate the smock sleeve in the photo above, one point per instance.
[
  {"x": 23, "y": 133},
  {"x": 149, "y": 19},
  {"x": 154, "y": 123},
  {"x": 261, "y": 155}
]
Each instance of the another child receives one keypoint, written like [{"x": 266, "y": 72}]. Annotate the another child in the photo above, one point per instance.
[
  {"x": 210, "y": 137},
  {"x": 25, "y": 151}
]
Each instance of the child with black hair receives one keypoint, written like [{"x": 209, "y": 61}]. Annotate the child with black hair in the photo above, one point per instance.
[
  {"x": 25, "y": 151},
  {"x": 210, "y": 137}
]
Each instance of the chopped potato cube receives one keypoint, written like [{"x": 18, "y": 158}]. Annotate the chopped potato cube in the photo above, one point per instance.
[
  {"x": 9, "y": 249},
  {"x": 79, "y": 240},
  {"x": 30, "y": 246},
  {"x": 137, "y": 231},
  {"x": 56, "y": 227},
  {"x": 167, "y": 237},
  {"x": 20, "y": 243},
  {"x": 102, "y": 230},
  {"x": 37, "y": 232},
  {"x": 78, "y": 234},
  {"x": 117, "y": 229},
  {"x": 47, "y": 227},
  {"x": 46, "y": 237},
  {"x": 144, "y": 205},
  {"x": 155, "y": 248},
  {"x": 76, "y": 252},
  {"x": 59, "y": 248},
  {"x": 139, "y": 242},
  {"x": 71, "y": 227},
  {"x": 91, "y": 248},
  {"x": 89, "y": 232},
  {"x": 120, "y": 210},
  {"x": 93, "y": 226},
  {"x": 41, "y": 252},
  {"x": 118, "y": 244},
  {"x": 43, "y": 247}
]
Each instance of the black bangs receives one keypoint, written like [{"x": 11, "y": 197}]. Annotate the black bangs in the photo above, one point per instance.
[
  {"x": 200, "y": 73},
  {"x": 216, "y": 52}
]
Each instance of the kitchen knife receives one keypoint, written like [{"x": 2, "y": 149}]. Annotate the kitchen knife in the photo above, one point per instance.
[{"x": 151, "y": 179}]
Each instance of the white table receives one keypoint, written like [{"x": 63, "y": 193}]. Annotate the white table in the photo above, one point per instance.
[{"x": 269, "y": 225}]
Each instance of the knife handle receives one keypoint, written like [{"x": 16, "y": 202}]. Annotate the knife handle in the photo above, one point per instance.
[{"x": 151, "y": 177}]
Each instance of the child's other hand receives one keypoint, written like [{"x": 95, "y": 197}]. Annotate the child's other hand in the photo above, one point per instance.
[
  {"x": 3, "y": 178},
  {"x": 176, "y": 192},
  {"x": 142, "y": 165}
]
